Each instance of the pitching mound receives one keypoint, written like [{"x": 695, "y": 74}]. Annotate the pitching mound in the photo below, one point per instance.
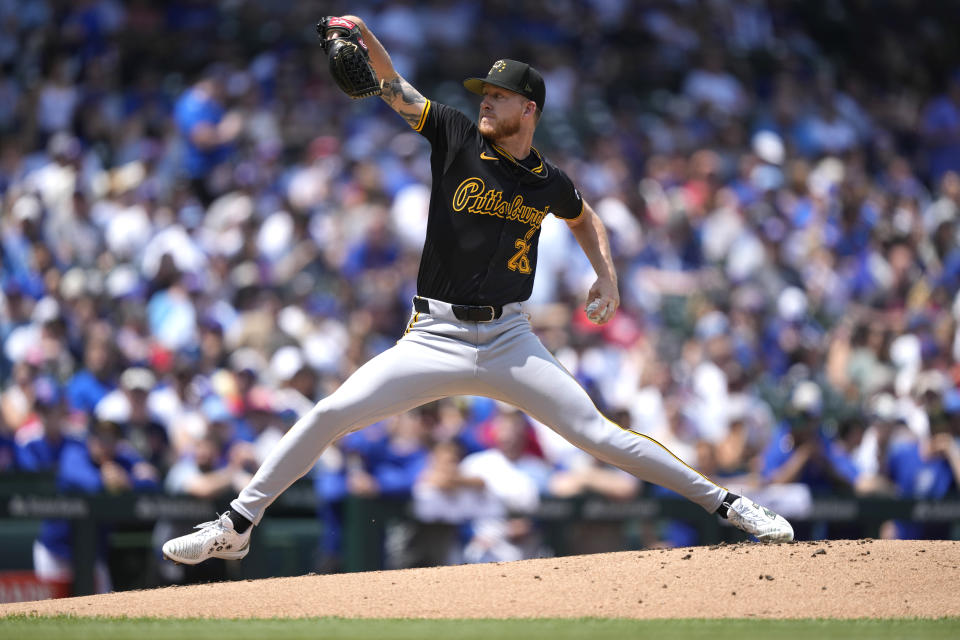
[{"x": 830, "y": 579}]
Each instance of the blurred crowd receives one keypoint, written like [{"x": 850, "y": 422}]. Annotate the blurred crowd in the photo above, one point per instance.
[{"x": 201, "y": 237}]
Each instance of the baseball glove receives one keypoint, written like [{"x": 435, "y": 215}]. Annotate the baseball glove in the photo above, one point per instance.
[{"x": 348, "y": 57}]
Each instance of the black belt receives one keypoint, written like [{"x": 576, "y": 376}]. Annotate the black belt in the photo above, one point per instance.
[{"x": 466, "y": 312}]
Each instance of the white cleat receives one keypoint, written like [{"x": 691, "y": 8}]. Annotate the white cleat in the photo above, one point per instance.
[
  {"x": 215, "y": 539},
  {"x": 758, "y": 521}
]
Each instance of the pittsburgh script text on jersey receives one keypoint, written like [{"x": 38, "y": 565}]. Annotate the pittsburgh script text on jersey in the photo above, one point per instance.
[{"x": 470, "y": 195}]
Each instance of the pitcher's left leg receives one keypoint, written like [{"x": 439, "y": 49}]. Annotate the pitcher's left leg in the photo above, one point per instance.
[{"x": 523, "y": 373}]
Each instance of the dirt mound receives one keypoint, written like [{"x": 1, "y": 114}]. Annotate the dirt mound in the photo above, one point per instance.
[{"x": 829, "y": 579}]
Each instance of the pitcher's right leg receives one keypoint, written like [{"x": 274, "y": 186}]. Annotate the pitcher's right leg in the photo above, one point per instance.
[
  {"x": 420, "y": 368},
  {"x": 405, "y": 376}
]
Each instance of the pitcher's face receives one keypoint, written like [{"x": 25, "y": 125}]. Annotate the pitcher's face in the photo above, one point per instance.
[{"x": 500, "y": 113}]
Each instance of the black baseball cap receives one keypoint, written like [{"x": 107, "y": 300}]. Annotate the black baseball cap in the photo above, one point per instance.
[{"x": 512, "y": 75}]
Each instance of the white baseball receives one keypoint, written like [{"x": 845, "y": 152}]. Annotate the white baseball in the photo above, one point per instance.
[{"x": 593, "y": 308}]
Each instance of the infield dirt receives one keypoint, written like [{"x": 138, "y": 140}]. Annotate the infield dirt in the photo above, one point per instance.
[{"x": 827, "y": 579}]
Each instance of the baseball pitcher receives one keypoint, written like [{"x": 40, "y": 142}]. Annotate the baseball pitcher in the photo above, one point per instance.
[{"x": 468, "y": 332}]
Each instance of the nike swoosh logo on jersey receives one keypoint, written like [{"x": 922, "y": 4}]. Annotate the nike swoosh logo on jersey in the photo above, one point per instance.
[{"x": 484, "y": 156}]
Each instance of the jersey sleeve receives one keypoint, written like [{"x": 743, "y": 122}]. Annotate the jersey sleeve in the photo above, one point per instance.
[
  {"x": 568, "y": 203},
  {"x": 445, "y": 127}
]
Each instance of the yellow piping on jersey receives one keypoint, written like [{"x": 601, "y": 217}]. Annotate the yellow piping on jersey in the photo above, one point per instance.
[
  {"x": 577, "y": 217},
  {"x": 537, "y": 170},
  {"x": 423, "y": 118}
]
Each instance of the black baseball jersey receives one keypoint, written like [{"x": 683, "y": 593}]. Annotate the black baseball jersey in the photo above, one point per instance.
[{"x": 485, "y": 213}]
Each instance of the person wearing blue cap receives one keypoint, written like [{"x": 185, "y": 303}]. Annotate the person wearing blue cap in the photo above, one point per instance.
[{"x": 40, "y": 443}]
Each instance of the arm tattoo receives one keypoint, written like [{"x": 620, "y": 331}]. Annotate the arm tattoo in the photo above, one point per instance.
[{"x": 404, "y": 99}]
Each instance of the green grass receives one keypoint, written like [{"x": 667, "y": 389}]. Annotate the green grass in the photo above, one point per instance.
[{"x": 41, "y": 628}]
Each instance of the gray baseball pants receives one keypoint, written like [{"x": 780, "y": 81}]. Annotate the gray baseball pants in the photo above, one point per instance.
[{"x": 440, "y": 356}]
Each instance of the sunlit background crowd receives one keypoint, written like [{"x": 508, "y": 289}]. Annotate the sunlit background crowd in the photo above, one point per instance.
[{"x": 201, "y": 237}]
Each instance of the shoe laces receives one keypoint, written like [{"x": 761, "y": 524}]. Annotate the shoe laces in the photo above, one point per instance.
[{"x": 214, "y": 524}]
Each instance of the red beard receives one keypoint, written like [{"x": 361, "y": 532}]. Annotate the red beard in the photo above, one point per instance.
[{"x": 499, "y": 129}]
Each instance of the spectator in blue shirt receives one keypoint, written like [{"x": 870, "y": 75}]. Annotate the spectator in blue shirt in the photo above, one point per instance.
[
  {"x": 104, "y": 463},
  {"x": 377, "y": 249},
  {"x": 926, "y": 471},
  {"x": 40, "y": 444},
  {"x": 208, "y": 131},
  {"x": 929, "y": 470},
  {"x": 88, "y": 386},
  {"x": 801, "y": 452},
  {"x": 20, "y": 240},
  {"x": 396, "y": 461}
]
